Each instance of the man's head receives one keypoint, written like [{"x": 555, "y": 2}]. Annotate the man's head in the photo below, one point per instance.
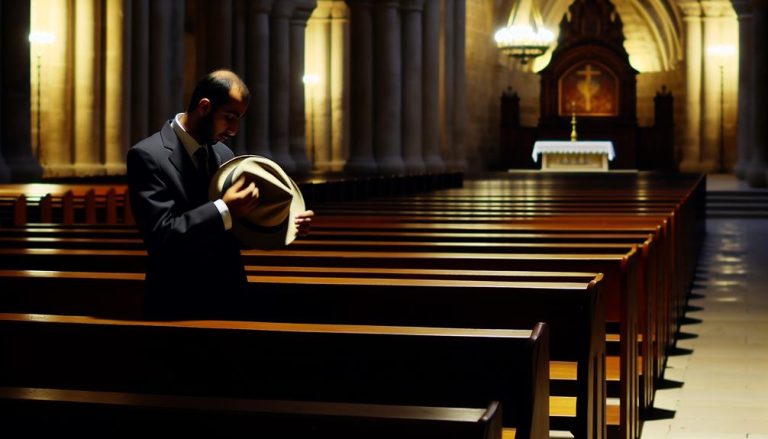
[{"x": 217, "y": 104}]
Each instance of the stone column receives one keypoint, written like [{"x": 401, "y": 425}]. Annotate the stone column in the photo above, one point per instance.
[
  {"x": 756, "y": 172},
  {"x": 139, "y": 109},
  {"x": 318, "y": 51},
  {"x": 5, "y": 171},
  {"x": 166, "y": 68},
  {"x": 431, "y": 87},
  {"x": 239, "y": 45},
  {"x": 88, "y": 83},
  {"x": 693, "y": 61},
  {"x": 412, "y": 81},
  {"x": 280, "y": 69},
  {"x": 446, "y": 84},
  {"x": 459, "y": 82},
  {"x": 117, "y": 85},
  {"x": 215, "y": 42},
  {"x": 744, "y": 124},
  {"x": 298, "y": 139},
  {"x": 257, "y": 77},
  {"x": 339, "y": 85},
  {"x": 389, "y": 87},
  {"x": 361, "y": 77},
  {"x": 711, "y": 111},
  {"x": 16, "y": 160}
]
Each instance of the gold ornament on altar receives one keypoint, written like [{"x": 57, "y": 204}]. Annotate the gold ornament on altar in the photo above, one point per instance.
[{"x": 573, "y": 121}]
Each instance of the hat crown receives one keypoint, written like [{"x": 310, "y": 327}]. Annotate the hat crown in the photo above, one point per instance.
[{"x": 269, "y": 224}]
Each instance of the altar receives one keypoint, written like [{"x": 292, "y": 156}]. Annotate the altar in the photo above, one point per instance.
[{"x": 573, "y": 156}]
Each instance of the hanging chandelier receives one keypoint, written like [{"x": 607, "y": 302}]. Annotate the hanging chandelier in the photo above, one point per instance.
[{"x": 524, "y": 36}]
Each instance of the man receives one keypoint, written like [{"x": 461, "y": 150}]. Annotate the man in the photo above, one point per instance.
[{"x": 195, "y": 269}]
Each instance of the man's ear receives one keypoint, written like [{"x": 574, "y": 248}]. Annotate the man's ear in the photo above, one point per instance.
[{"x": 205, "y": 106}]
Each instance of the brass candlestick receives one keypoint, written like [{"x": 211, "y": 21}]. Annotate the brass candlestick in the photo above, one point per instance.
[{"x": 573, "y": 121}]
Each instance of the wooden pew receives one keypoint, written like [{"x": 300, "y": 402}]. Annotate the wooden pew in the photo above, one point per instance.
[
  {"x": 91, "y": 414},
  {"x": 574, "y": 312},
  {"x": 341, "y": 363}
]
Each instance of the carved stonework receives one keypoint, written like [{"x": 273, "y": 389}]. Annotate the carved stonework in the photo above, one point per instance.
[{"x": 690, "y": 9}]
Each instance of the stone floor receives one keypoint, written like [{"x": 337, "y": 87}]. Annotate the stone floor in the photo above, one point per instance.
[{"x": 716, "y": 385}]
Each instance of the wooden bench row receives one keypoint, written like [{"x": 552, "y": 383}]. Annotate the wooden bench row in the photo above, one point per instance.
[
  {"x": 577, "y": 321},
  {"x": 673, "y": 236},
  {"x": 336, "y": 363},
  {"x": 99, "y": 414}
]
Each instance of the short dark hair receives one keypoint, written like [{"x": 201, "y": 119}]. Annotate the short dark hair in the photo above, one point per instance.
[{"x": 216, "y": 87}]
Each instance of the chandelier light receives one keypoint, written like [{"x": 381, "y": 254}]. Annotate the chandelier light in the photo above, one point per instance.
[{"x": 524, "y": 36}]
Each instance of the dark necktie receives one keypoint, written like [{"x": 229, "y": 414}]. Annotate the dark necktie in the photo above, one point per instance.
[{"x": 203, "y": 174}]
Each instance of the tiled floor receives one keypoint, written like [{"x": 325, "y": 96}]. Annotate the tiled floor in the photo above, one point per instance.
[{"x": 718, "y": 384}]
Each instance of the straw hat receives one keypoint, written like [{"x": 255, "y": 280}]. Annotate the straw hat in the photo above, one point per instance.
[{"x": 270, "y": 224}]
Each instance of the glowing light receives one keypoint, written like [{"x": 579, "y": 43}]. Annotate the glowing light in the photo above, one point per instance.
[
  {"x": 41, "y": 38},
  {"x": 311, "y": 78},
  {"x": 524, "y": 36}
]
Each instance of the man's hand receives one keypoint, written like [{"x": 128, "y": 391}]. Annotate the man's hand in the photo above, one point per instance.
[
  {"x": 303, "y": 221},
  {"x": 241, "y": 199}
]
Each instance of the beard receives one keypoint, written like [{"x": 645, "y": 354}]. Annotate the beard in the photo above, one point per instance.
[{"x": 206, "y": 129}]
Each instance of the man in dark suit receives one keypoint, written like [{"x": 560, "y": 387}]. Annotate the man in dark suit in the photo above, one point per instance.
[{"x": 195, "y": 269}]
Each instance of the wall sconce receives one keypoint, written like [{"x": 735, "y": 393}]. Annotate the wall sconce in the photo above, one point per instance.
[
  {"x": 310, "y": 81},
  {"x": 39, "y": 41},
  {"x": 721, "y": 53}
]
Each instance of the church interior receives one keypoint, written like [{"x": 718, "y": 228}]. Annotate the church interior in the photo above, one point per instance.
[{"x": 533, "y": 219}]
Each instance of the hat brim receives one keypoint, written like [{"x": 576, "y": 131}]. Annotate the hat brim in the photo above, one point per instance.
[{"x": 271, "y": 224}]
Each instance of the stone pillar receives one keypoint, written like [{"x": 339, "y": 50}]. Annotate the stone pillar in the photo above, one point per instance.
[
  {"x": 280, "y": 70},
  {"x": 744, "y": 124},
  {"x": 16, "y": 160},
  {"x": 318, "y": 52},
  {"x": 339, "y": 90},
  {"x": 388, "y": 91},
  {"x": 431, "y": 87},
  {"x": 756, "y": 172},
  {"x": 239, "y": 49},
  {"x": 215, "y": 35},
  {"x": 88, "y": 83},
  {"x": 711, "y": 106},
  {"x": 361, "y": 77},
  {"x": 412, "y": 81},
  {"x": 298, "y": 145},
  {"x": 459, "y": 82},
  {"x": 57, "y": 110},
  {"x": 166, "y": 54},
  {"x": 5, "y": 171},
  {"x": 257, "y": 77},
  {"x": 693, "y": 61},
  {"x": 446, "y": 84},
  {"x": 139, "y": 109},
  {"x": 117, "y": 85}
]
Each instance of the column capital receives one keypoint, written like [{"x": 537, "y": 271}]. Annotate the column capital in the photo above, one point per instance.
[
  {"x": 360, "y": 4},
  {"x": 339, "y": 9},
  {"x": 261, "y": 6},
  {"x": 743, "y": 8},
  {"x": 387, "y": 4},
  {"x": 713, "y": 8},
  {"x": 412, "y": 5},
  {"x": 323, "y": 10},
  {"x": 303, "y": 10},
  {"x": 689, "y": 8},
  {"x": 283, "y": 9}
]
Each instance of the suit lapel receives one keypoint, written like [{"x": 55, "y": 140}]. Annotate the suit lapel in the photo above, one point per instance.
[{"x": 184, "y": 174}]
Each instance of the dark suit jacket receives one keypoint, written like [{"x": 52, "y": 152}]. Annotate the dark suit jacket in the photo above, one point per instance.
[{"x": 195, "y": 269}]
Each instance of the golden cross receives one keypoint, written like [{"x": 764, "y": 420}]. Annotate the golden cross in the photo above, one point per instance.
[{"x": 587, "y": 87}]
